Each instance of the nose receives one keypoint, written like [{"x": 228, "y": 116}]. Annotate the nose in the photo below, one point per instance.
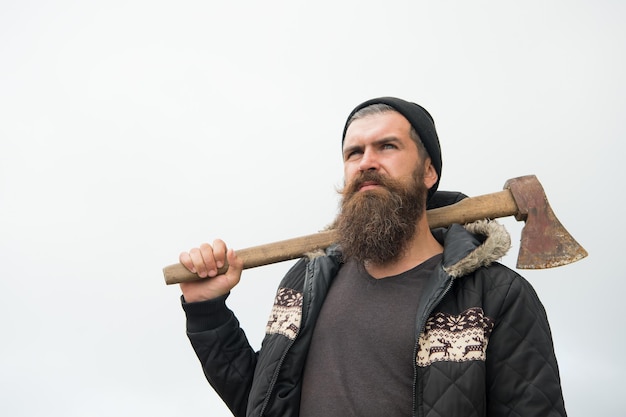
[{"x": 369, "y": 161}]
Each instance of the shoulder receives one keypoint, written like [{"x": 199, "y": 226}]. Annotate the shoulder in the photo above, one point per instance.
[
  {"x": 323, "y": 265},
  {"x": 504, "y": 291}
]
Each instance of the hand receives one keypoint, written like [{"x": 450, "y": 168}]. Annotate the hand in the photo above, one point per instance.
[{"x": 205, "y": 261}]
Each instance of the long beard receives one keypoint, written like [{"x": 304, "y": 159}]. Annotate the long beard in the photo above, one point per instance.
[{"x": 375, "y": 226}]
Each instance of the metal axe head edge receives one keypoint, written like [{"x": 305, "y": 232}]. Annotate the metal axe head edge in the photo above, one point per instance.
[{"x": 545, "y": 243}]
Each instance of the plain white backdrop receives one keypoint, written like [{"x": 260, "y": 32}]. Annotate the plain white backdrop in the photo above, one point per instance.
[{"x": 132, "y": 130}]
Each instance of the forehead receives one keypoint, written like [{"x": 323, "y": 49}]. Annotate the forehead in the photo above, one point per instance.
[{"x": 377, "y": 126}]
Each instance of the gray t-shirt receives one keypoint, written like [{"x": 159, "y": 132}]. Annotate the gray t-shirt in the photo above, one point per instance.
[{"x": 361, "y": 358}]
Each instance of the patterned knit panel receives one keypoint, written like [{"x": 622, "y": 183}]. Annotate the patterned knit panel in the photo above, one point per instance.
[
  {"x": 286, "y": 313},
  {"x": 453, "y": 338}
]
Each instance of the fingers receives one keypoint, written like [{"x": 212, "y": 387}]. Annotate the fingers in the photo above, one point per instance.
[
  {"x": 205, "y": 260},
  {"x": 219, "y": 253}
]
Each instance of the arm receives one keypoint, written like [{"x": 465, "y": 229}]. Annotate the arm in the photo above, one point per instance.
[{"x": 227, "y": 359}]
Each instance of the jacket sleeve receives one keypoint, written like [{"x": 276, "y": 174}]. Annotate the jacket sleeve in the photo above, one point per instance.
[
  {"x": 223, "y": 349},
  {"x": 522, "y": 371}
]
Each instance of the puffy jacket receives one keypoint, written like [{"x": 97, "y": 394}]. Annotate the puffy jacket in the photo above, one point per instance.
[{"x": 483, "y": 343}]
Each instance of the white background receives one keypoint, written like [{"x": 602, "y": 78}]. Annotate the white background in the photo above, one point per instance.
[{"x": 133, "y": 130}]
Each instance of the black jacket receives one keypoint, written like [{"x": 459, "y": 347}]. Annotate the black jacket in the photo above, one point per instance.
[{"x": 483, "y": 343}]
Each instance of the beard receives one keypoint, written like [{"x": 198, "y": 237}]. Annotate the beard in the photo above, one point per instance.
[{"x": 376, "y": 226}]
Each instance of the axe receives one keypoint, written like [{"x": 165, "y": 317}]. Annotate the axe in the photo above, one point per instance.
[{"x": 545, "y": 243}]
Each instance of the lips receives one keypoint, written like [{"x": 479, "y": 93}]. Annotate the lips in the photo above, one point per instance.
[{"x": 368, "y": 185}]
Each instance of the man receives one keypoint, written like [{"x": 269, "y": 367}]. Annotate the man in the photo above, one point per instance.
[{"x": 395, "y": 319}]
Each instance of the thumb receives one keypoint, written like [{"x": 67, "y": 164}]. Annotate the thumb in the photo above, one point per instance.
[{"x": 235, "y": 265}]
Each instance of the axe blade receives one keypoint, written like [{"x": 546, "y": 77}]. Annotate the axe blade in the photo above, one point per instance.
[{"x": 545, "y": 243}]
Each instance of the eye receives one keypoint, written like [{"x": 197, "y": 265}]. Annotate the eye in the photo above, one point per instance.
[
  {"x": 389, "y": 146},
  {"x": 352, "y": 153}
]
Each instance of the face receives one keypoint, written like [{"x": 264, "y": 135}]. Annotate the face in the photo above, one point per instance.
[
  {"x": 382, "y": 143},
  {"x": 385, "y": 192}
]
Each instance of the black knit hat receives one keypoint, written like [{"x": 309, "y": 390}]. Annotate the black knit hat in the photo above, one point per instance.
[{"x": 421, "y": 121}]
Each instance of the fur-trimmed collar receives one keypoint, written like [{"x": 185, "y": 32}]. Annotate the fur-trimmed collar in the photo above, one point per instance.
[{"x": 495, "y": 245}]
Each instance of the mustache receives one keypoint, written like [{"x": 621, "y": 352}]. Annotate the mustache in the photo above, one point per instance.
[{"x": 368, "y": 177}]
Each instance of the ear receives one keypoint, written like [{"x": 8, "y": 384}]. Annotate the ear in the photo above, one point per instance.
[{"x": 430, "y": 174}]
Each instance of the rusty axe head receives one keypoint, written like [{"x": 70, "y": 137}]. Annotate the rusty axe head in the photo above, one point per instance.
[{"x": 545, "y": 243}]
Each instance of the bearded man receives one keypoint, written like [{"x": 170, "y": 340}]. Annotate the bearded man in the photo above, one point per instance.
[{"x": 394, "y": 320}]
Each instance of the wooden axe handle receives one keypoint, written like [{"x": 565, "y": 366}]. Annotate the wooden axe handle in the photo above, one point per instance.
[{"x": 488, "y": 206}]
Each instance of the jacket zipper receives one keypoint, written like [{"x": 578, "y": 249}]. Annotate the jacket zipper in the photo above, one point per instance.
[
  {"x": 275, "y": 377},
  {"x": 416, "y": 347}
]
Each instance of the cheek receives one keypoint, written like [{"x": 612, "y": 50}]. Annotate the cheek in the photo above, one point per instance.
[{"x": 349, "y": 171}]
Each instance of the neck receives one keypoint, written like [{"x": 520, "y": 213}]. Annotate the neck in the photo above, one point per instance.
[{"x": 422, "y": 247}]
